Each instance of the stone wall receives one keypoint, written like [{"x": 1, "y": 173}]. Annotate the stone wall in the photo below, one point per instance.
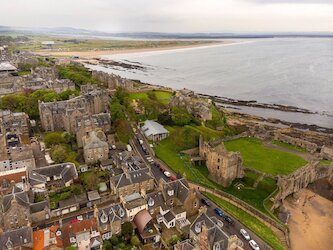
[
  {"x": 299, "y": 179},
  {"x": 112, "y": 81},
  {"x": 223, "y": 166},
  {"x": 327, "y": 153},
  {"x": 309, "y": 146}
]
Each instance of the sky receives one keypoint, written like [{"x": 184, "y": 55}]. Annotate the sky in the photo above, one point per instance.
[{"x": 172, "y": 15}]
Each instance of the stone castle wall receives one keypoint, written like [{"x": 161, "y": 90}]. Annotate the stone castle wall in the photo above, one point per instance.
[
  {"x": 309, "y": 146},
  {"x": 299, "y": 179}
]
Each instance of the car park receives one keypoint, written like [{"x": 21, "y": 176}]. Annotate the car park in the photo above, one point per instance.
[
  {"x": 167, "y": 173},
  {"x": 254, "y": 245},
  {"x": 219, "y": 212},
  {"x": 245, "y": 234},
  {"x": 205, "y": 201},
  {"x": 229, "y": 220}
]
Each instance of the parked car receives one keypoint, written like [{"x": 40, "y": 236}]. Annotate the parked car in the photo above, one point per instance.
[
  {"x": 74, "y": 220},
  {"x": 254, "y": 245},
  {"x": 173, "y": 178},
  {"x": 205, "y": 201},
  {"x": 162, "y": 169},
  {"x": 219, "y": 212},
  {"x": 245, "y": 234},
  {"x": 167, "y": 173},
  {"x": 157, "y": 165},
  {"x": 229, "y": 220},
  {"x": 79, "y": 217}
]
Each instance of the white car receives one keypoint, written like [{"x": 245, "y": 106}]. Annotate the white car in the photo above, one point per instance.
[
  {"x": 79, "y": 217},
  {"x": 245, "y": 234},
  {"x": 167, "y": 174},
  {"x": 254, "y": 245}
]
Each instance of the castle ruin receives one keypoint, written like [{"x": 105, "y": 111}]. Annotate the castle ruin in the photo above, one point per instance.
[{"x": 223, "y": 166}]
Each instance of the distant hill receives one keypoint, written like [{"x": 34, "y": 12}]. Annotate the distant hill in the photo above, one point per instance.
[{"x": 69, "y": 31}]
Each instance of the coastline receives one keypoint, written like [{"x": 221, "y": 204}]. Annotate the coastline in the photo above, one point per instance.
[{"x": 91, "y": 54}]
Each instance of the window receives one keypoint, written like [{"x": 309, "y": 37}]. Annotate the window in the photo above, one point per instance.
[{"x": 218, "y": 167}]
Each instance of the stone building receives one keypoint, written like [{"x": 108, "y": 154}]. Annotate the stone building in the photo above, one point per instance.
[
  {"x": 112, "y": 81},
  {"x": 89, "y": 123},
  {"x": 109, "y": 220},
  {"x": 18, "y": 211},
  {"x": 63, "y": 115},
  {"x": 223, "y": 166},
  {"x": 14, "y": 122},
  {"x": 95, "y": 147},
  {"x": 137, "y": 181},
  {"x": 178, "y": 194},
  {"x": 20, "y": 238},
  {"x": 199, "y": 107}
]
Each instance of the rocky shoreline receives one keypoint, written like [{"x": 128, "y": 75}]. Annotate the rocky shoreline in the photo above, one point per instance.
[{"x": 234, "y": 102}]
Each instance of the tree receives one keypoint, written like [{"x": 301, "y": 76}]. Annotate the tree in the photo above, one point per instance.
[
  {"x": 180, "y": 116},
  {"x": 127, "y": 229},
  {"x": 107, "y": 245},
  {"x": 92, "y": 181},
  {"x": 118, "y": 111},
  {"x": 53, "y": 138},
  {"x": 114, "y": 240},
  {"x": 58, "y": 153},
  {"x": 135, "y": 241},
  {"x": 165, "y": 118}
]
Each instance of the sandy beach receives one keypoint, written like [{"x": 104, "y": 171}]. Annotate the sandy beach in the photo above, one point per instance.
[
  {"x": 311, "y": 221},
  {"x": 90, "y": 54}
]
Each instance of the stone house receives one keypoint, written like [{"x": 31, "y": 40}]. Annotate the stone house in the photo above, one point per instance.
[
  {"x": 82, "y": 235},
  {"x": 133, "y": 203},
  {"x": 57, "y": 175},
  {"x": 18, "y": 211},
  {"x": 20, "y": 238},
  {"x": 178, "y": 194},
  {"x": 137, "y": 181},
  {"x": 109, "y": 220},
  {"x": 95, "y": 147},
  {"x": 223, "y": 166}
]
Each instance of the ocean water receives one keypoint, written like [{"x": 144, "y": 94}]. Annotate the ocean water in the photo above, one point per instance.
[{"x": 287, "y": 71}]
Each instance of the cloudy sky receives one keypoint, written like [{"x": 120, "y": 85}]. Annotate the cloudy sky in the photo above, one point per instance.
[{"x": 171, "y": 15}]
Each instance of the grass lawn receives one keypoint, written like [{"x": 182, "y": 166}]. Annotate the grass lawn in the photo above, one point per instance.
[
  {"x": 255, "y": 155},
  {"x": 325, "y": 162},
  {"x": 162, "y": 96},
  {"x": 289, "y": 146},
  {"x": 169, "y": 149},
  {"x": 249, "y": 221}
]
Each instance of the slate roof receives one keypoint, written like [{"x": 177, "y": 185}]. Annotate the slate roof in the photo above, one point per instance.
[
  {"x": 155, "y": 200},
  {"x": 185, "y": 245},
  {"x": 153, "y": 128},
  {"x": 136, "y": 176},
  {"x": 76, "y": 199},
  {"x": 15, "y": 238},
  {"x": 179, "y": 188},
  {"x": 111, "y": 213},
  {"x": 200, "y": 220},
  {"x": 20, "y": 196},
  {"x": 169, "y": 216},
  {"x": 67, "y": 171},
  {"x": 93, "y": 141}
]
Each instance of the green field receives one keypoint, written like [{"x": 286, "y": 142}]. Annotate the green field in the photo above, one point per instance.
[
  {"x": 249, "y": 221},
  {"x": 98, "y": 44},
  {"x": 255, "y": 155},
  {"x": 162, "y": 96},
  {"x": 180, "y": 139}
]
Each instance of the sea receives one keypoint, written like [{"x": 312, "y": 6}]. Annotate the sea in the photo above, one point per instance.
[{"x": 287, "y": 71}]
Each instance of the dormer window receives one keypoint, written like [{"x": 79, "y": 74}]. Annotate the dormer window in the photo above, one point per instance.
[
  {"x": 104, "y": 217},
  {"x": 151, "y": 202},
  {"x": 170, "y": 192},
  {"x": 197, "y": 227},
  {"x": 216, "y": 246}
]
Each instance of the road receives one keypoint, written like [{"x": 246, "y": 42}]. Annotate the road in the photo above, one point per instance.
[{"x": 228, "y": 229}]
